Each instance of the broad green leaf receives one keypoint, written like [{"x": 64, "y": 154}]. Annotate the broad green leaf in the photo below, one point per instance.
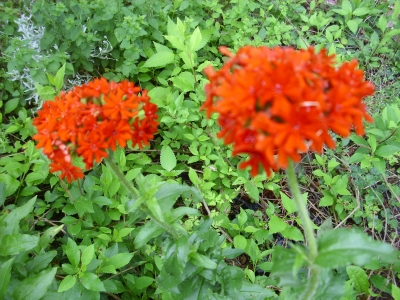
[
  {"x": 230, "y": 253},
  {"x": 11, "y": 105},
  {"x": 361, "y": 11},
  {"x": 342, "y": 247},
  {"x": 73, "y": 252},
  {"x": 242, "y": 217},
  {"x": 159, "y": 59},
  {"x": 195, "y": 39},
  {"x": 13, "y": 244},
  {"x": 395, "y": 292},
  {"x": 91, "y": 282},
  {"x": 288, "y": 203},
  {"x": 275, "y": 225},
  {"x": 252, "y": 190},
  {"x": 119, "y": 260},
  {"x": 240, "y": 242},
  {"x": 87, "y": 255},
  {"x": 359, "y": 279},
  {"x": 5, "y": 275},
  {"x": 202, "y": 261},
  {"x": 34, "y": 287},
  {"x": 205, "y": 36},
  {"x": 67, "y": 283},
  {"x": 150, "y": 230},
  {"x": 179, "y": 212},
  {"x": 167, "y": 159},
  {"x": 143, "y": 282},
  {"x": 169, "y": 192},
  {"x": 193, "y": 177},
  {"x": 253, "y": 251},
  {"x": 387, "y": 150},
  {"x": 120, "y": 34},
  {"x": 16, "y": 215},
  {"x": 292, "y": 233},
  {"x": 40, "y": 262},
  {"x": 353, "y": 25}
]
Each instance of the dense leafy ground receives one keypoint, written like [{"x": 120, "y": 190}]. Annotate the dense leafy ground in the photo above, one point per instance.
[{"x": 89, "y": 240}]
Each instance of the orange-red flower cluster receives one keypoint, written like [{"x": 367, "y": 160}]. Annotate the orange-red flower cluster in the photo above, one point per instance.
[
  {"x": 89, "y": 120},
  {"x": 276, "y": 103}
]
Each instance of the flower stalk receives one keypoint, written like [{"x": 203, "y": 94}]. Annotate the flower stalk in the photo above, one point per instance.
[{"x": 307, "y": 224}]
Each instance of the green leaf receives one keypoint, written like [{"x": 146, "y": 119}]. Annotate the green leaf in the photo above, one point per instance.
[
  {"x": 353, "y": 25},
  {"x": 73, "y": 252},
  {"x": 5, "y": 275},
  {"x": 159, "y": 59},
  {"x": 275, "y": 225},
  {"x": 119, "y": 260},
  {"x": 292, "y": 233},
  {"x": 34, "y": 287},
  {"x": 240, "y": 242},
  {"x": 2, "y": 193},
  {"x": 193, "y": 177},
  {"x": 13, "y": 244},
  {"x": 143, "y": 282},
  {"x": 387, "y": 150},
  {"x": 202, "y": 261},
  {"x": 359, "y": 279},
  {"x": 252, "y": 190},
  {"x": 150, "y": 230},
  {"x": 120, "y": 34},
  {"x": 167, "y": 159},
  {"x": 91, "y": 282},
  {"x": 288, "y": 203},
  {"x": 395, "y": 292},
  {"x": 67, "y": 283},
  {"x": 16, "y": 215},
  {"x": 11, "y": 105},
  {"x": 87, "y": 255},
  {"x": 195, "y": 39},
  {"x": 40, "y": 262},
  {"x": 342, "y": 247},
  {"x": 59, "y": 79},
  {"x": 361, "y": 11}
]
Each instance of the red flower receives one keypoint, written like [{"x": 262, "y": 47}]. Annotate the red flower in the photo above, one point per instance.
[
  {"x": 274, "y": 104},
  {"x": 89, "y": 120}
]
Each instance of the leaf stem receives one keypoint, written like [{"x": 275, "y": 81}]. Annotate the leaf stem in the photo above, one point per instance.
[{"x": 110, "y": 162}]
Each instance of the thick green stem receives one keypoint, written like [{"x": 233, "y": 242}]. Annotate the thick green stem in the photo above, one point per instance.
[
  {"x": 308, "y": 231},
  {"x": 135, "y": 194}
]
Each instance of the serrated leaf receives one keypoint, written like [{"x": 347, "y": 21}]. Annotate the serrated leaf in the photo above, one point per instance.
[
  {"x": 120, "y": 34},
  {"x": 342, "y": 247},
  {"x": 159, "y": 59},
  {"x": 67, "y": 283},
  {"x": 167, "y": 158},
  {"x": 34, "y": 287},
  {"x": 359, "y": 279}
]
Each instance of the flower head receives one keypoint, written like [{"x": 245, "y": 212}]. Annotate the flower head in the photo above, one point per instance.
[
  {"x": 89, "y": 120},
  {"x": 274, "y": 104}
]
